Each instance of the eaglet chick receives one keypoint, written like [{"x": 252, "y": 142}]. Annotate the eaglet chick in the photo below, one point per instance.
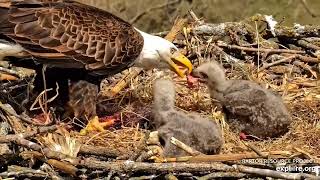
[
  {"x": 249, "y": 107},
  {"x": 200, "y": 133}
]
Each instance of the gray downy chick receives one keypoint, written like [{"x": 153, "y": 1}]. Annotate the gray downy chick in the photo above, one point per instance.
[
  {"x": 249, "y": 107},
  {"x": 202, "y": 134}
]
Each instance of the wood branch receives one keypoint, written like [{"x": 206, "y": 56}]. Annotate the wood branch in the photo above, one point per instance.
[
  {"x": 216, "y": 175},
  {"x": 220, "y": 30},
  {"x": 63, "y": 166},
  {"x": 308, "y": 59},
  {"x": 305, "y": 44},
  {"x": 124, "y": 82},
  {"x": 195, "y": 18},
  {"x": 228, "y": 157},
  {"x": 18, "y": 172},
  {"x": 184, "y": 147},
  {"x": 270, "y": 51},
  {"x": 99, "y": 151},
  {"x": 11, "y": 138},
  {"x": 10, "y": 111},
  {"x": 9, "y": 71},
  {"x": 305, "y": 67},
  {"x": 253, "y": 148},
  {"x": 7, "y": 77},
  {"x": 130, "y": 166},
  {"x": 282, "y": 60}
]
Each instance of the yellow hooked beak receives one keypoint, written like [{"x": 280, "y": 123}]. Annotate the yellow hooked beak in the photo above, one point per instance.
[{"x": 178, "y": 59}]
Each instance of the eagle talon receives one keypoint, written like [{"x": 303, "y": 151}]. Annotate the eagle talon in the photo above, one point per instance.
[{"x": 95, "y": 125}]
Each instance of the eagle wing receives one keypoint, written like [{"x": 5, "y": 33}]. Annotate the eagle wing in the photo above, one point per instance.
[{"x": 70, "y": 34}]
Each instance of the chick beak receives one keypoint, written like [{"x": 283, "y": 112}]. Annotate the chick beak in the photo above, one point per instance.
[
  {"x": 177, "y": 61},
  {"x": 196, "y": 74}
]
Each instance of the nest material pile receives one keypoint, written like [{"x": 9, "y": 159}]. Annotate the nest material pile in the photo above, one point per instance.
[{"x": 284, "y": 59}]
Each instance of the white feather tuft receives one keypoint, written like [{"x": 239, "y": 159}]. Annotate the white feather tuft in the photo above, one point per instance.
[{"x": 272, "y": 23}]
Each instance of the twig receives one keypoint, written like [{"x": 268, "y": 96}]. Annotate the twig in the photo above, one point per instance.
[
  {"x": 130, "y": 166},
  {"x": 307, "y": 45},
  {"x": 184, "y": 147},
  {"x": 138, "y": 16},
  {"x": 260, "y": 49},
  {"x": 41, "y": 97},
  {"x": 305, "y": 67},
  {"x": 195, "y": 18},
  {"x": 10, "y": 111},
  {"x": 124, "y": 82},
  {"x": 143, "y": 177},
  {"x": 308, "y": 59},
  {"x": 18, "y": 171},
  {"x": 285, "y": 59},
  {"x": 7, "y": 77},
  {"x": 59, "y": 165},
  {"x": 222, "y": 175},
  {"x": 227, "y": 157},
  {"x": 9, "y": 71},
  {"x": 220, "y": 30},
  {"x": 254, "y": 149},
  {"x": 40, "y": 130}
]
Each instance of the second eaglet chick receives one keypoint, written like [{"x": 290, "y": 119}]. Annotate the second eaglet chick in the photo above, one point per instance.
[
  {"x": 249, "y": 107},
  {"x": 202, "y": 134}
]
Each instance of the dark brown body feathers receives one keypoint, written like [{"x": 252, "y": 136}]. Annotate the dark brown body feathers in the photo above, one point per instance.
[{"x": 69, "y": 34}]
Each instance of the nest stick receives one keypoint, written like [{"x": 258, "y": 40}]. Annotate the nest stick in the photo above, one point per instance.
[
  {"x": 19, "y": 171},
  {"x": 98, "y": 150},
  {"x": 10, "y": 111},
  {"x": 124, "y": 82},
  {"x": 268, "y": 65},
  {"x": 254, "y": 149},
  {"x": 7, "y": 77},
  {"x": 228, "y": 157},
  {"x": 270, "y": 51},
  {"x": 130, "y": 166},
  {"x": 185, "y": 147},
  {"x": 222, "y": 175}
]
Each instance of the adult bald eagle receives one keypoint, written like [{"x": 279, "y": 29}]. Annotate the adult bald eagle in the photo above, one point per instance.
[{"x": 68, "y": 34}]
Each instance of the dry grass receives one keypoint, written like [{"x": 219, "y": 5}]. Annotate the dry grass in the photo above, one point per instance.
[{"x": 125, "y": 140}]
